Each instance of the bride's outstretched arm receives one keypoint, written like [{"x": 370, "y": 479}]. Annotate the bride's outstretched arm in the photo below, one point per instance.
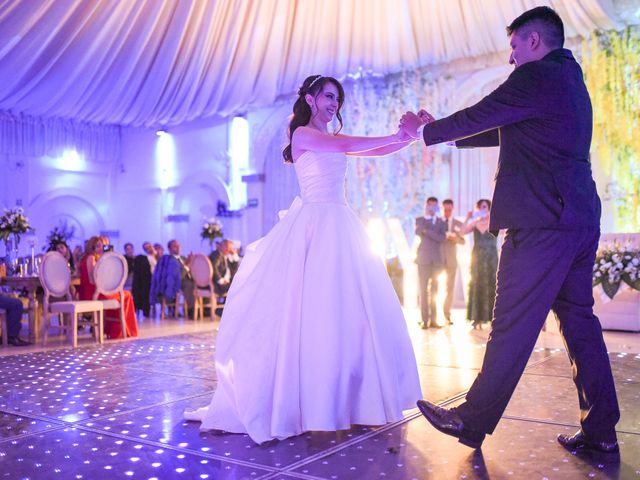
[
  {"x": 381, "y": 151},
  {"x": 306, "y": 138}
]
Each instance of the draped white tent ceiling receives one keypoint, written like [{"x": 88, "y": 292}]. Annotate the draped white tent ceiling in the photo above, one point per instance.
[{"x": 164, "y": 62}]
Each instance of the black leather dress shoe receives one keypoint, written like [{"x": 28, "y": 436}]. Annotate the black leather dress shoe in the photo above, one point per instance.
[
  {"x": 579, "y": 442},
  {"x": 17, "y": 342},
  {"x": 450, "y": 423}
]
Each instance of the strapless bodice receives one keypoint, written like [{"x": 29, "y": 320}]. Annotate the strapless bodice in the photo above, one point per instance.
[{"x": 321, "y": 177}]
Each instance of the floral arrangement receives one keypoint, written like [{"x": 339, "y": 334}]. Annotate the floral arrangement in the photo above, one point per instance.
[
  {"x": 13, "y": 221},
  {"x": 615, "y": 265},
  {"x": 211, "y": 229},
  {"x": 61, "y": 233}
]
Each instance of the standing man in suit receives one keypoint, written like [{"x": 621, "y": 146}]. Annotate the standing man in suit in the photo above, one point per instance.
[
  {"x": 432, "y": 232},
  {"x": 546, "y": 199},
  {"x": 450, "y": 254}
]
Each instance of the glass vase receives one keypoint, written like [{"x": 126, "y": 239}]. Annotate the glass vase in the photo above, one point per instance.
[{"x": 11, "y": 247}]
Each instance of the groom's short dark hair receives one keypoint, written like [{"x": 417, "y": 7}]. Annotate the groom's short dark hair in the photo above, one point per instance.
[
  {"x": 545, "y": 21},
  {"x": 432, "y": 199}
]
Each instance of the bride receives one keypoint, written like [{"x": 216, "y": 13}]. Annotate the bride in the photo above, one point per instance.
[{"x": 312, "y": 337}]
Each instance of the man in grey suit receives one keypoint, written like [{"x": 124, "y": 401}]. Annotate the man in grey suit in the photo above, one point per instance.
[
  {"x": 450, "y": 254},
  {"x": 546, "y": 199},
  {"x": 432, "y": 232}
]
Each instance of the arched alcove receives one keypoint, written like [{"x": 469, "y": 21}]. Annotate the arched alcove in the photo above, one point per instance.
[
  {"x": 197, "y": 196},
  {"x": 49, "y": 209}
]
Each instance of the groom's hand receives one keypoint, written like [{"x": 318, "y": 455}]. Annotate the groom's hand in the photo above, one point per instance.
[
  {"x": 410, "y": 122},
  {"x": 425, "y": 116}
]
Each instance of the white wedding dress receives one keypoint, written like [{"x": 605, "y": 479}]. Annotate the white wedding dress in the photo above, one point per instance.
[{"x": 312, "y": 336}]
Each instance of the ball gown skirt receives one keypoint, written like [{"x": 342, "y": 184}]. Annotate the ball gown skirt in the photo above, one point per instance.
[{"x": 312, "y": 337}]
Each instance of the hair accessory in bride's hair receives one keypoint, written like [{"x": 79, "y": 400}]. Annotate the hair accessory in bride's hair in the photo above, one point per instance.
[
  {"x": 314, "y": 81},
  {"x": 304, "y": 91}
]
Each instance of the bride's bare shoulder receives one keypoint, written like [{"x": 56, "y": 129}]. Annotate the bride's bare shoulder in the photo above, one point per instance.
[{"x": 302, "y": 140}]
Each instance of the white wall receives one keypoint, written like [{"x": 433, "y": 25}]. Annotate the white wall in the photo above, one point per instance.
[
  {"x": 132, "y": 196},
  {"x": 51, "y": 191}
]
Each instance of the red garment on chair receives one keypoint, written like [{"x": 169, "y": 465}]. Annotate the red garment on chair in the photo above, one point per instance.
[{"x": 86, "y": 289}]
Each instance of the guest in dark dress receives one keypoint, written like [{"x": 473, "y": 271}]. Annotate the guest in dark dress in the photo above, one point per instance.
[
  {"x": 141, "y": 284},
  {"x": 130, "y": 257},
  {"x": 484, "y": 263}
]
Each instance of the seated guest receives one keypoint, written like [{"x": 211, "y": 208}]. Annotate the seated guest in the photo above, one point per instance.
[
  {"x": 186, "y": 280},
  {"x": 14, "y": 309},
  {"x": 63, "y": 248},
  {"x": 94, "y": 249},
  {"x": 225, "y": 262},
  {"x": 172, "y": 274},
  {"x": 165, "y": 281},
  {"x": 158, "y": 250}
]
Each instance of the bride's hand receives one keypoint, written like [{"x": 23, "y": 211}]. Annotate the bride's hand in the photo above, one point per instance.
[{"x": 403, "y": 136}]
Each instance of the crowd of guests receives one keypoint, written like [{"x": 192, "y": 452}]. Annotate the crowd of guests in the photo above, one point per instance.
[
  {"x": 440, "y": 236},
  {"x": 152, "y": 277},
  {"x": 157, "y": 276}
]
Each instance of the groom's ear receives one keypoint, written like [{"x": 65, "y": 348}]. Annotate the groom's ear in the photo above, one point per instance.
[{"x": 534, "y": 40}]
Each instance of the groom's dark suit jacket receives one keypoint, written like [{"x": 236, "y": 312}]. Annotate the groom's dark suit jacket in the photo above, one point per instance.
[{"x": 544, "y": 175}]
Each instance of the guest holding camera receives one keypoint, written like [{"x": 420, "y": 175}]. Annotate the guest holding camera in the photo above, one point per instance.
[{"x": 95, "y": 248}]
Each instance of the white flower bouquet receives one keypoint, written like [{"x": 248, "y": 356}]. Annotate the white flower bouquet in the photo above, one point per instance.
[
  {"x": 615, "y": 265},
  {"x": 14, "y": 221},
  {"x": 211, "y": 229}
]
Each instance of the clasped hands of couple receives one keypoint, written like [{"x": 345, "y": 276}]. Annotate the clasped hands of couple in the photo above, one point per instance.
[{"x": 411, "y": 122}]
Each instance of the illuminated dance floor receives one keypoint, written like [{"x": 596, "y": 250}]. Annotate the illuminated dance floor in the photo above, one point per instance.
[{"x": 115, "y": 411}]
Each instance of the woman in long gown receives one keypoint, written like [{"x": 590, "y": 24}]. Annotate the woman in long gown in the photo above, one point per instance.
[
  {"x": 484, "y": 263},
  {"x": 312, "y": 337}
]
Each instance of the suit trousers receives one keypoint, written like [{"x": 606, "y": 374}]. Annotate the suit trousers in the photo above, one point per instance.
[
  {"x": 188, "y": 290},
  {"x": 451, "y": 286},
  {"x": 428, "y": 276},
  {"x": 542, "y": 270},
  {"x": 14, "y": 309}
]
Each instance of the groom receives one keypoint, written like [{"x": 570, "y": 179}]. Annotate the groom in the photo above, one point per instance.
[{"x": 546, "y": 199}]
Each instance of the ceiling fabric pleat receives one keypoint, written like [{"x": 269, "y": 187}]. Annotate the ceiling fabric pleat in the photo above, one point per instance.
[{"x": 164, "y": 62}]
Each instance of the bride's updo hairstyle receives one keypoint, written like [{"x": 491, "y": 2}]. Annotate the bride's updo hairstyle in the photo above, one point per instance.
[{"x": 302, "y": 111}]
